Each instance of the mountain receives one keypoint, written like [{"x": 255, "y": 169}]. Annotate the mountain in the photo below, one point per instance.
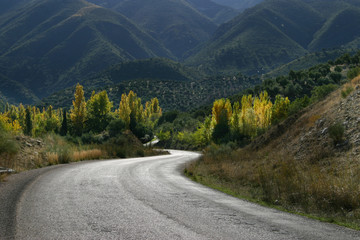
[
  {"x": 239, "y": 4},
  {"x": 47, "y": 45},
  {"x": 216, "y": 12},
  {"x": 276, "y": 32},
  {"x": 177, "y": 24}
]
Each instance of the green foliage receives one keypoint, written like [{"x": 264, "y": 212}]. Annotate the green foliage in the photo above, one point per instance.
[
  {"x": 335, "y": 77},
  {"x": 163, "y": 136},
  {"x": 221, "y": 132},
  {"x": 78, "y": 111},
  {"x": 299, "y": 104},
  {"x": 320, "y": 92},
  {"x": 353, "y": 72},
  {"x": 338, "y": 69},
  {"x": 336, "y": 132},
  {"x": 280, "y": 109},
  {"x": 168, "y": 117},
  {"x": 173, "y": 95},
  {"x": 98, "y": 112},
  {"x": 28, "y": 122},
  {"x": 64, "y": 124},
  {"x": 7, "y": 144},
  {"x": 116, "y": 127},
  {"x": 345, "y": 92}
]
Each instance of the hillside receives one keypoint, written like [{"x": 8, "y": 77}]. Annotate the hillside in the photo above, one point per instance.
[
  {"x": 309, "y": 61},
  {"x": 276, "y": 32},
  {"x": 307, "y": 164},
  {"x": 49, "y": 45},
  {"x": 218, "y": 13},
  {"x": 240, "y": 5},
  {"x": 177, "y": 25},
  {"x": 176, "y": 86}
]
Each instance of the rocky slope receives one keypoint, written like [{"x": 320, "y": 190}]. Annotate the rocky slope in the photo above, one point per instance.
[{"x": 305, "y": 136}]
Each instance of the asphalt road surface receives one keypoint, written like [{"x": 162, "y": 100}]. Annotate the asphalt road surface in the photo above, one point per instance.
[{"x": 143, "y": 198}]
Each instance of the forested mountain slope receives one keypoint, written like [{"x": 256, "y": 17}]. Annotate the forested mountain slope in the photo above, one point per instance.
[
  {"x": 51, "y": 44},
  {"x": 277, "y": 31},
  {"x": 239, "y": 4},
  {"x": 176, "y": 24}
]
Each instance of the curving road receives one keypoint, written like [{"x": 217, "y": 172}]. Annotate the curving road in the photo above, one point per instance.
[{"x": 144, "y": 198}]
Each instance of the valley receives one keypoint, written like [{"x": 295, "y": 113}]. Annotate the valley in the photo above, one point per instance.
[{"x": 267, "y": 90}]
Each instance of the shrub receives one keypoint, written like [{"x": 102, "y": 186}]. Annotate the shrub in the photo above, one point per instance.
[
  {"x": 321, "y": 92},
  {"x": 353, "y": 72},
  {"x": 336, "y": 132},
  {"x": 7, "y": 144},
  {"x": 345, "y": 92},
  {"x": 116, "y": 127}
]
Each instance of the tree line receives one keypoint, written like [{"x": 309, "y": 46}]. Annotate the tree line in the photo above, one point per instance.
[{"x": 95, "y": 115}]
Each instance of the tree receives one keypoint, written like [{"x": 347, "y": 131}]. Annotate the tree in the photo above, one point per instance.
[
  {"x": 78, "y": 112},
  {"x": 280, "y": 109},
  {"x": 28, "y": 122},
  {"x": 124, "y": 110},
  {"x": 221, "y": 131},
  {"x": 218, "y": 107},
  {"x": 98, "y": 110},
  {"x": 64, "y": 125},
  {"x": 262, "y": 108}
]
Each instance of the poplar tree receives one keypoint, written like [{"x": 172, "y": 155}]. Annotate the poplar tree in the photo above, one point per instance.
[
  {"x": 28, "y": 122},
  {"x": 64, "y": 126},
  {"x": 98, "y": 109},
  {"x": 78, "y": 112}
]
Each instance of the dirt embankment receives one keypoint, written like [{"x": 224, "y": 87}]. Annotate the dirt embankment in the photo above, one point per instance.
[
  {"x": 306, "y": 135},
  {"x": 30, "y": 154}
]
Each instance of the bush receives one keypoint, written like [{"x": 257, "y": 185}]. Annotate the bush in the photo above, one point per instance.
[
  {"x": 353, "y": 72},
  {"x": 116, "y": 127},
  {"x": 321, "y": 92},
  {"x": 336, "y": 132},
  {"x": 7, "y": 144},
  {"x": 346, "y": 91}
]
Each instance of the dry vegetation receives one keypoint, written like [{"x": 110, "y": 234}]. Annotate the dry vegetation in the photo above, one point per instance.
[
  {"x": 53, "y": 149},
  {"x": 298, "y": 164}
]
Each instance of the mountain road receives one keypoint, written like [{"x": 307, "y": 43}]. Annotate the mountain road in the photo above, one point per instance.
[{"x": 141, "y": 198}]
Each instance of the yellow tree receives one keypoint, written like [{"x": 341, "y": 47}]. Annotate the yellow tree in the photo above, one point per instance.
[
  {"x": 235, "y": 119},
  {"x": 219, "y": 106},
  {"x": 124, "y": 110},
  {"x": 78, "y": 111},
  {"x": 262, "y": 109},
  {"x": 246, "y": 122},
  {"x": 280, "y": 108}
]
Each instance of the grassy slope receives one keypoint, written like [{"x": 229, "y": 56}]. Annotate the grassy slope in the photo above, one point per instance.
[{"x": 295, "y": 165}]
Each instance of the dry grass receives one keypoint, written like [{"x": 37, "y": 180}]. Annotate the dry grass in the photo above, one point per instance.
[
  {"x": 321, "y": 188},
  {"x": 53, "y": 158},
  {"x": 87, "y": 155}
]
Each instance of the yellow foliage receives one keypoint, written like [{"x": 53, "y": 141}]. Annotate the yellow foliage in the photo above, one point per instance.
[{"x": 218, "y": 107}]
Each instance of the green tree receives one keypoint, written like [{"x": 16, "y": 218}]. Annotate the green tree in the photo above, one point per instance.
[
  {"x": 78, "y": 111},
  {"x": 28, "y": 122},
  {"x": 221, "y": 133},
  {"x": 64, "y": 124},
  {"x": 98, "y": 111},
  {"x": 280, "y": 109}
]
